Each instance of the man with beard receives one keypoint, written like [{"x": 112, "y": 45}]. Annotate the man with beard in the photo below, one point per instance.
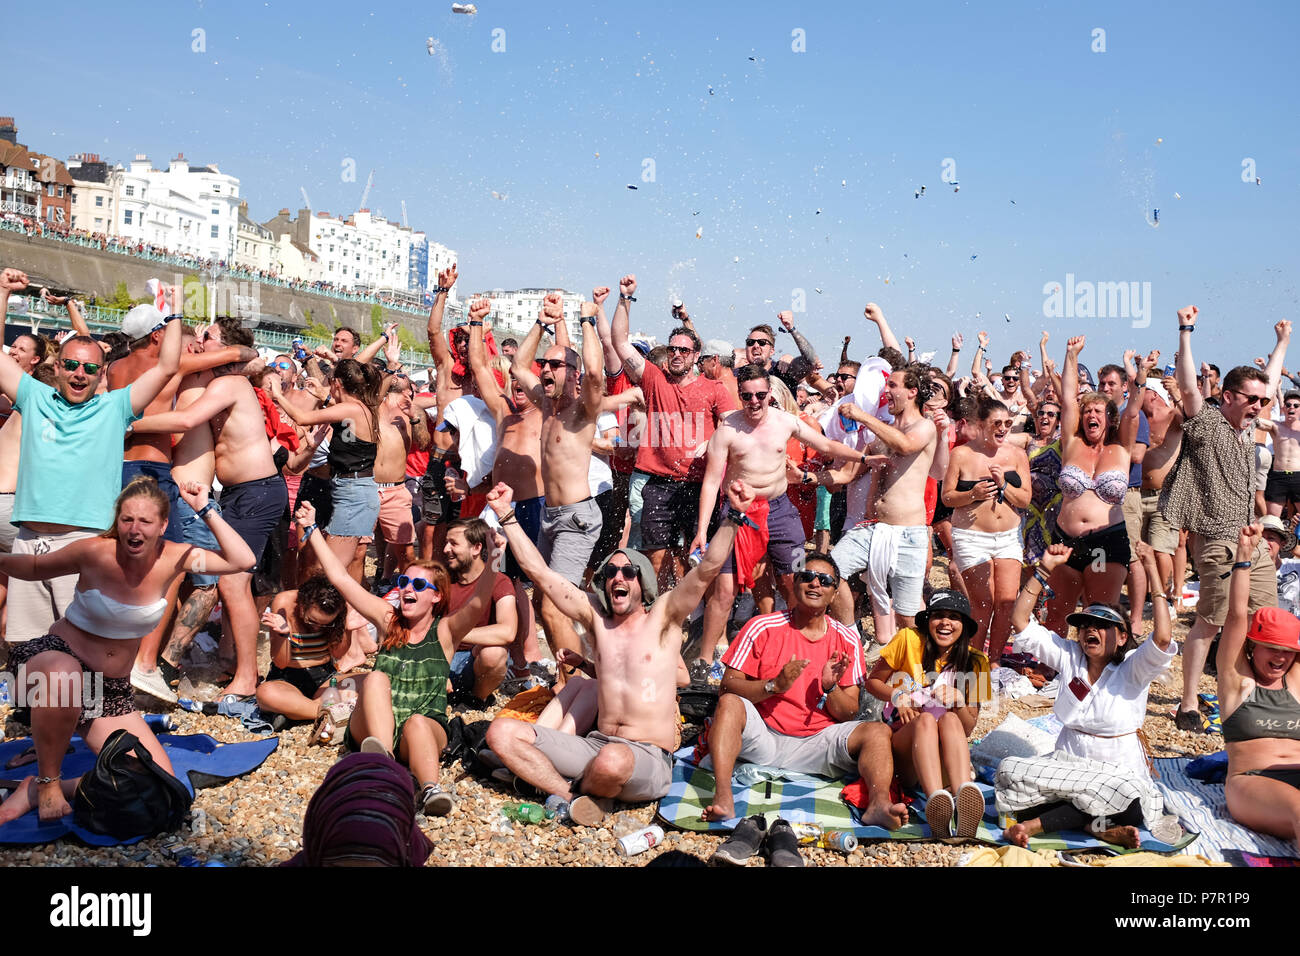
[
  {"x": 480, "y": 662},
  {"x": 682, "y": 409},
  {"x": 790, "y": 699},
  {"x": 70, "y": 460},
  {"x": 253, "y": 495},
  {"x": 571, "y": 519},
  {"x": 637, "y": 638},
  {"x": 760, "y": 346},
  {"x": 750, "y": 445},
  {"x": 895, "y": 536}
]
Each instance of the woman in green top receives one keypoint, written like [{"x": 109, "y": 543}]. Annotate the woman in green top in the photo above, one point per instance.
[{"x": 402, "y": 704}]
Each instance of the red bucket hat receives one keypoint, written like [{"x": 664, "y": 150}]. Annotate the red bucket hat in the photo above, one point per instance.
[{"x": 1275, "y": 627}]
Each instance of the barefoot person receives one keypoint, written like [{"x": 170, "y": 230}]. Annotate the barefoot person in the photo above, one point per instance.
[
  {"x": 128, "y": 575},
  {"x": 637, "y": 636},
  {"x": 1098, "y": 778},
  {"x": 1259, "y": 693},
  {"x": 789, "y": 699},
  {"x": 309, "y": 645},
  {"x": 402, "y": 704}
]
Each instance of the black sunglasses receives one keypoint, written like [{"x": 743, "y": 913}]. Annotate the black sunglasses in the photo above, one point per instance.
[
  {"x": 754, "y": 396},
  {"x": 71, "y": 365},
  {"x": 417, "y": 584},
  {"x": 554, "y": 364},
  {"x": 626, "y": 571},
  {"x": 751, "y": 342},
  {"x": 1248, "y": 399},
  {"x": 680, "y": 349},
  {"x": 840, "y": 376},
  {"x": 821, "y": 577}
]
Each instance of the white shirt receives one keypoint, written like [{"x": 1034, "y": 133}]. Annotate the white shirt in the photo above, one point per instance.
[
  {"x": 1100, "y": 726},
  {"x": 599, "y": 477}
]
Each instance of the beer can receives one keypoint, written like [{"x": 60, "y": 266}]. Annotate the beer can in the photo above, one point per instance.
[
  {"x": 640, "y": 841},
  {"x": 841, "y": 841}
]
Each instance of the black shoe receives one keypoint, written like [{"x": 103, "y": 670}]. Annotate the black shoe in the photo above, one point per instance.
[
  {"x": 743, "y": 842},
  {"x": 783, "y": 846}
]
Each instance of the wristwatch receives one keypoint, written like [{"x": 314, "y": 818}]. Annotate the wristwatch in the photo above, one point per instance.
[{"x": 769, "y": 688}]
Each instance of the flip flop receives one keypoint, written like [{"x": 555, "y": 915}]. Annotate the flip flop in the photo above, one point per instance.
[{"x": 24, "y": 758}]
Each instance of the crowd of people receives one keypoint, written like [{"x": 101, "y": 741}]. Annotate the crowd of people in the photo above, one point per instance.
[{"x": 625, "y": 524}]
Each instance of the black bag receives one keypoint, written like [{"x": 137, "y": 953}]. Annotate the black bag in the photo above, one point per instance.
[{"x": 127, "y": 794}]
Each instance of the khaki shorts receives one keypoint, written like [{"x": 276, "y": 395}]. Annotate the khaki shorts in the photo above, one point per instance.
[
  {"x": 1156, "y": 530},
  {"x": 34, "y": 606},
  {"x": 652, "y": 773},
  {"x": 395, "y": 514},
  {"x": 1214, "y": 559},
  {"x": 1133, "y": 521},
  {"x": 825, "y": 753}
]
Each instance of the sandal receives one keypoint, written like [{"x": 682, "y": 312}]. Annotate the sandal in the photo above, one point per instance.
[{"x": 28, "y": 756}]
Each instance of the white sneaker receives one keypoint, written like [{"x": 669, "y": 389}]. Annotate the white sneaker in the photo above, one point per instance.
[{"x": 152, "y": 683}]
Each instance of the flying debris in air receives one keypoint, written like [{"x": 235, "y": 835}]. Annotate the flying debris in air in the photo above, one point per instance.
[
  {"x": 497, "y": 195},
  {"x": 919, "y": 193},
  {"x": 696, "y": 213},
  {"x": 817, "y": 290},
  {"x": 1155, "y": 217},
  {"x": 1013, "y": 202},
  {"x": 974, "y": 257},
  {"x": 844, "y": 182},
  {"x": 817, "y": 213},
  {"x": 464, "y": 8},
  {"x": 753, "y": 59},
  {"x": 1007, "y": 316},
  {"x": 432, "y": 44},
  {"x": 699, "y": 233},
  {"x": 630, "y": 186},
  {"x": 1257, "y": 182},
  {"x": 710, "y": 91},
  {"x": 1176, "y": 196}
]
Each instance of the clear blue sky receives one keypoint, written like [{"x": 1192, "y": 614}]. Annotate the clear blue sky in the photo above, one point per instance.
[{"x": 1086, "y": 144}]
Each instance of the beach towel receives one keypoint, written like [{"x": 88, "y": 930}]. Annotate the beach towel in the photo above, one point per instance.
[
  {"x": 199, "y": 761},
  {"x": 477, "y": 438},
  {"x": 1202, "y": 806}
]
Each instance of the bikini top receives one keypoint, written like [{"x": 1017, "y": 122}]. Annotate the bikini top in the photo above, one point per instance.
[
  {"x": 307, "y": 647},
  {"x": 1264, "y": 713},
  {"x": 100, "y": 615},
  {"x": 1110, "y": 486},
  {"x": 967, "y": 484}
]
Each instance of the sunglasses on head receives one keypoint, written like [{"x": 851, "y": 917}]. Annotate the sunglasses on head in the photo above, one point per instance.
[
  {"x": 680, "y": 349},
  {"x": 821, "y": 577},
  {"x": 749, "y": 343},
  {"x": 554, "y": 364},
  {"x": 417, "y": 584},
  {"x": 626, "y": 571},
  {"x": 71, "y": 365},
  {"x": 754, "y": 396}
]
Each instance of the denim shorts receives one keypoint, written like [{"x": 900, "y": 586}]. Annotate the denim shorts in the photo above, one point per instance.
[
  {"x": 894, "y": 559},
  {"x": 356, "y": 507},
  {"x": 195, "y": 532}
]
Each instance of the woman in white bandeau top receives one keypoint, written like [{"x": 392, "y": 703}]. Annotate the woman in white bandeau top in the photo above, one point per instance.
[{"x": 129, "y": 576}]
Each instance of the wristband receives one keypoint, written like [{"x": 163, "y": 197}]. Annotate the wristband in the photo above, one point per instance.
[
  {"x": 205, "y": 509},
  {"x": 626, "y": 298},
  {"x": 384, "y": 336},
  {"x": 474, "y": 322},
  {"x": 955, "y": 351},
  {"x": 508, "y": 518},
  {"x": 740, "y": 519},
  {"x": 583, "y": 319},
  {"x": 1186, "y": 328},
  {"x": 306, "y": 533},
  {"x": 441, "y": 290},
  {"x": 1241, "y": 566}
]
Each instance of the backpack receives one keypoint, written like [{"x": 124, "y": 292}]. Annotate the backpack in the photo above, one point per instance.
[{"x": 127, "y": 794}]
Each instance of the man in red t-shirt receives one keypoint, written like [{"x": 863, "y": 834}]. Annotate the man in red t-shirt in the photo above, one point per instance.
[
  {"x": 480, "y": 666},
  {"x": 790, "y": 700},
  {"x": 682, "y": 409}
]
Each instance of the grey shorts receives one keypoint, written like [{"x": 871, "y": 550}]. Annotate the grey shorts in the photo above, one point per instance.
[
  {"x": 570, "y": 755},
  {"x": 825, "y": 753},
  {"x": 8, "y": 530},
  {"x": 569, "y": 535}
]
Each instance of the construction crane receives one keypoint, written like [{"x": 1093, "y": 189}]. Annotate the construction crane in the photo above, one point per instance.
[
  {"x": 405, "y": 224},
  {"x": 370, "y": 181}
]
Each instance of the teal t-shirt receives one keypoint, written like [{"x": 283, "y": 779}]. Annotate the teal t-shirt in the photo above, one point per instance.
[{"x": 70, "y": 464}]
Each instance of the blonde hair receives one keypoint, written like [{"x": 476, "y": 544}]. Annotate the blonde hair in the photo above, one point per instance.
[
  {"x": 781, "y": 392},
  {"x": 141, "y": 486}
]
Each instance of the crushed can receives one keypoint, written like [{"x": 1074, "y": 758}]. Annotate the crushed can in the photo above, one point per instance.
[{"x": 640, "y": 841}]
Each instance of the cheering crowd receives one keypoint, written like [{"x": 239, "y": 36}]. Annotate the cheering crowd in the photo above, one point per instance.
[{"x": 694, "y": 519}]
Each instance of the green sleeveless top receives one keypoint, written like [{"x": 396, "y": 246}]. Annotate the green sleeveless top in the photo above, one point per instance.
[{"x": 418, "y": 675}]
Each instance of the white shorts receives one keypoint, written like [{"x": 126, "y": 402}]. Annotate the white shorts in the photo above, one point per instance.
[
  {"x": 34, "y": 606},
  {"x": 970, "y": 548}
]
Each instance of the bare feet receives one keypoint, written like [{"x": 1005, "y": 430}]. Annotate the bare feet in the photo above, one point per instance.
[
  {"x": 719, "y": 810},
  {"x": 1020, "y": 833},
  {"x": 53, "y": 805},
  {"x": 19, "y": 802},
  {"x": 886, "y": 815},
  {"x": 1121, "y": 836}
]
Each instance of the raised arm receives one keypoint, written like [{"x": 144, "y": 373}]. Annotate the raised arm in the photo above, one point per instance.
[
  {"x": 887, "y": 337},
  {"x": 1163, "y": 627},
  {"x": 593, "y": 361},
  {"x": 951, "y": 370},
  {"x": 1184, "y": 365},
  {"x": 1070, "y": 390},
  {"x": 1232, "y": 642},
  {"x": 438, "y": 347},
  {"x": 571, "y": 602},
  {"x": 715, "y": 470},
  {"x": 232, "y": 556},
  {"x": 152, "y": 381},
  {"x": 900, "y": 442},
  {"x": 613, "y": 364},
  {"x": 805, "y": 349},
  {"x": 522, "y": 364},
  {"x": 367, "y": 354},
  {"x": 1131, "y": 419},
  {"x": 373, "y": 608},
  {"x": 340, "y": 412},
  {"x": 79, "y": 325},
  {"x": 11, "y": 280},
  {"x": 633, "y": 361},
  {"x": 844, "y": 350},
  {"x": 1277, "y": 357},
  {"x": 488, "y": 389},
  {"x": 1022, "y": 612},
  {"x": 682, "y": 599},
  {"x": 975, "y": 371}
]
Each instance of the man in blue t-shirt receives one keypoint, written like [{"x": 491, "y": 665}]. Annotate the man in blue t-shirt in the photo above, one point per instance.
[
  {"x": 1112, "y": 381},
  {"x": 69, "y": 466}
]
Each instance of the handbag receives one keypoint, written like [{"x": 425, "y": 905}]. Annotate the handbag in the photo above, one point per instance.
[{"x": 127, "y": 794}]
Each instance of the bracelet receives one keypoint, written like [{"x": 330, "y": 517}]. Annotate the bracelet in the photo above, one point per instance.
[
  {"x": 441, "y": 290},
  {"x": 955, "y": 351},
  {"x": 205, "y": 509},
  {"x": 306, "y": 533},
  {"x": 508, "y": 518},
  {"x": 584, "y": 319},
  {"x": 474, "y": 322},
  {"x": 44, "y": 780},
  {"x": 741, "y": 520},
  {"x": 384, "y": 336},
  {"x": 626, "y": 298},
  {"x": 1162, "y": 595},
  {"x": 1186, "y": 328},
  {"x": 1241, "y": 566}
]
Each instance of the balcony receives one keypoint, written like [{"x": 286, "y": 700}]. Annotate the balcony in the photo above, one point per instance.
[{"x": 21, "y": 208}]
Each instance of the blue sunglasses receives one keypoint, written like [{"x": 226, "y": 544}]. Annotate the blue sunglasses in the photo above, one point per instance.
[{"x": 417, "y": 584}]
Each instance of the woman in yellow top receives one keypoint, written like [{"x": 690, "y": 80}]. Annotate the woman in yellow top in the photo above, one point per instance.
[{"x": 934, "y": 682}]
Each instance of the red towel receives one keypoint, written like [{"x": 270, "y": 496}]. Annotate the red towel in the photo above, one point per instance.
[
  {"x": 751, "y": 543},
  {"x": 275, "y": 426}
]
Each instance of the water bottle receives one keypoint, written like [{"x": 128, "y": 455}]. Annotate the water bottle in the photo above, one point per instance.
[
  {"x": 533, "y": 813},
  {"x": 328, "y": 701}
]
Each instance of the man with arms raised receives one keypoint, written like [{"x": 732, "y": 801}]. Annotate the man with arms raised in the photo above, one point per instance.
[
  {"x": 1283, "y": 487},
  {"x": 898, "y": 523},
  {"x": 571, "y": 519},
  {"x": 637, "y": 637},
  {"x": 750, "y": 445},
  {"x": 253, "y": 496},
  {"x": 70, "y": 463}
]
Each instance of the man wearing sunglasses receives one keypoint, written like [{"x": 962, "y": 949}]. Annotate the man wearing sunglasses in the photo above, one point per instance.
[
  {"x": 716, "y": 360},
  {"x": 760, "y": 350},
  {"x": 682, "y": 410},
  {"x": 637, "y": 636},
  {"x": 571, "y": 518},
  {"x": 750, "y": 445},
  {"x": 790, "y": 700},
  {"x": 69, "y": 472},
  {"x": 1210, "y": 492}
]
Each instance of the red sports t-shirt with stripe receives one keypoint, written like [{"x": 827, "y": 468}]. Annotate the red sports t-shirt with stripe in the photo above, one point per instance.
[{"x": 767, "y": 643}]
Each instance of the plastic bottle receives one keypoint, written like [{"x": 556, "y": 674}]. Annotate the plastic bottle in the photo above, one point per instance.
[
  {"x": 528, "y": 813},
  {"x": 328, "y": 699}
]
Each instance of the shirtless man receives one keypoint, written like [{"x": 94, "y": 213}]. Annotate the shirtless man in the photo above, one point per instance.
[
  {"x": 401, "y": 428},
  {"x": 637, "y": 638},
  {"x": 253, "y": 495},
  {"x": 1166, "y": 423},
  {"x": 750, "y": 446},
  {"x": 899, "y": 508},
  {"x": 1283, "y": 486},
  {"x": 571, "y": 519},
  {"x": 438, "y": 510}
]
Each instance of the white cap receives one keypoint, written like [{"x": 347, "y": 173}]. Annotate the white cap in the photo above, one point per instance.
[
  {"x": 1158, "y": 387},
  {"x": 142, "y": 320}
]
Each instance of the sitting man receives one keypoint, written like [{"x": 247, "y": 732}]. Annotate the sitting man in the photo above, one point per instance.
[
  {"x": 790, "y": 700},
  {"x": 637, "y": 636}
]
